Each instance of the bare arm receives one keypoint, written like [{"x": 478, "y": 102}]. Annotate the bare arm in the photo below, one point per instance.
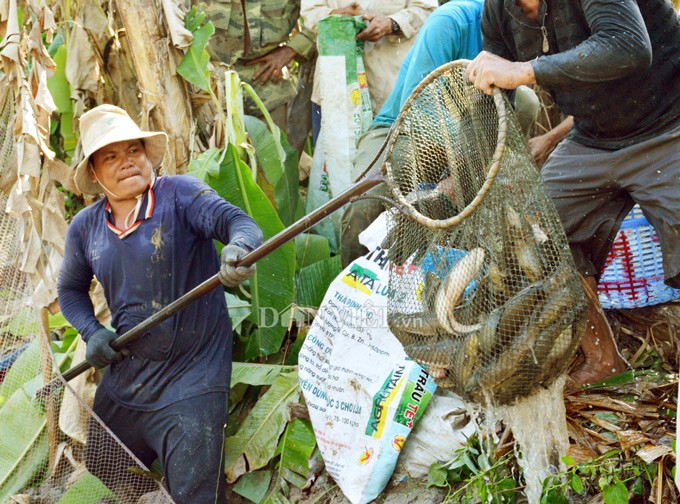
[{"x": 542, "y": 145}]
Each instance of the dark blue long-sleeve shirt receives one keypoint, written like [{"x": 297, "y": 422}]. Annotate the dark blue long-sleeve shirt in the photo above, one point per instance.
[
  {"x": 165, "y": 254},
  {"x": 612, "y": 64}
]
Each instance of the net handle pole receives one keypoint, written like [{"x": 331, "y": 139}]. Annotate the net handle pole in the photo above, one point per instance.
[{"x": 211, "y": 283}]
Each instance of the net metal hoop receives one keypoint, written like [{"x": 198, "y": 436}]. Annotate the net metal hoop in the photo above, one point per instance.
[{"x": 494, "y": 166}]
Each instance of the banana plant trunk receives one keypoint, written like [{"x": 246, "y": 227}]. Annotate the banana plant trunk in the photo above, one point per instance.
[{"x": 164, "y": 95}]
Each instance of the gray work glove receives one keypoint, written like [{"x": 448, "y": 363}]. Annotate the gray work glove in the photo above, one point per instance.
[
  {"x": 98, "y": 351},
  {"x": 231, "y": 275}
]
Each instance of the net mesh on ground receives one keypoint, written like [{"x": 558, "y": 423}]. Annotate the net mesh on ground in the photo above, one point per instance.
[
  {"x": 43, "y": 455},
  {"x": 491, "y": 303}
]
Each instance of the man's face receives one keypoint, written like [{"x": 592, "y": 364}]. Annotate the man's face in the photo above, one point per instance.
[{"x": 123, "y": 167}]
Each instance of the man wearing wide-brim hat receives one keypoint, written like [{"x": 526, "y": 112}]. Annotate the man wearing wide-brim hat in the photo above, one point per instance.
[{"x": 148, "y": 241}]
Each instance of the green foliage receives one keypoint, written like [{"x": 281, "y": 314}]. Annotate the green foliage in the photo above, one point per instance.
[
  {"x": 258, "y": 434},
  {"x": 58, "y": 321},
  {"x": 63, "y": 140},
  {"x": 269, "y": 152},
  {"x": 257, "y": 374},
  {"x": 194, "y": 64},
  {"x": 253, "y": 486},
  {"x": 312, "y": 281},
  {"x": 24, "y": 369},
  {"x": 88, "y": 488},
  {"x": 277, "y": 495},
  {"x": 311, "y": 248},
  {"x": 612, "y": 475},
  {"x": 21, "y": 324},
  {"x": 296, "y": 447},
  {"x": 207, "y": 164},
  {"x": 63, "y": 349},
  {"x": 279, "y": 162},
  {"x": 615, "y": 492},
  {"x": 271, "y": 289},
  {"x": 234, "y": 121},
  {"x": 475, "y": 476},
  {"x": 23, "y": 443},
  {"x": 23, "y": 424},
  {"x": 239, "y": 310}
]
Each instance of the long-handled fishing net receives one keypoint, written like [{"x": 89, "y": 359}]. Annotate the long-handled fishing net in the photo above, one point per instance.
[
  {"x": 483, "y": 288},
  {"x": 483, "y": 291}
]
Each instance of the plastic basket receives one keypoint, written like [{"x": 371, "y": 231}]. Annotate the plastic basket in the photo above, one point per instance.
[{"x": 633, "y": 272}]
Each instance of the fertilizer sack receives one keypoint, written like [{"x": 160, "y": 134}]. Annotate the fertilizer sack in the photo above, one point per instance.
[
  {"x": 345, "y": 109},
  {"x": 364, "y": 395}
]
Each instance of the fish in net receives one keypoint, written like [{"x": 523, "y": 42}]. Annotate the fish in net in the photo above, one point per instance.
[{"x": 483, "y": 289}]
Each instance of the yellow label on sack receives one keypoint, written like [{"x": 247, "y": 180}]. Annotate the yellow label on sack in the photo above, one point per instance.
[{"x": 355, "y": 97}]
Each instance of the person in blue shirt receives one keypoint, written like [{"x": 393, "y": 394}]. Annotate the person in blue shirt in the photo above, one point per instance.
[
  {"x": 148, "y": 241},
  {"x": 451, "y": 32}
]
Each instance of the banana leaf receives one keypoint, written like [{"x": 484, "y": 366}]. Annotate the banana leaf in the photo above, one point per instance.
[
  {"x": 311, "y": 248},
  {"x": 88, "y": 488},
  {"x": 279, "y": 162},
  {"x": 275, "y": 496},
  {"x": 23, "y": 443},
  {"x": 296, "y": 447},
  {"x": 256, "y": 374},
  {"x": 60, "y": 89},
  {"x": 23, "y": 423},
  {"x": 271, "y": 288},
  {"x": 207, "y": 164},
  {"x": 22, "y": 324},
  {"x": 58, "y": 321},
  {"x": 238, "y": 310},
  {"x": 253, "y": 485},
  {"x": 24, "y": 369},
  {"x": 258, "y": 435},
  {"x": 312, "y": 281},
  {"x": 194, "y": 64}
]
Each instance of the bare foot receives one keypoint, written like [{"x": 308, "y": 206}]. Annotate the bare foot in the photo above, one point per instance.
[
  {"x": 597, "y": 371},
  {"x": 602, "y": 358}
]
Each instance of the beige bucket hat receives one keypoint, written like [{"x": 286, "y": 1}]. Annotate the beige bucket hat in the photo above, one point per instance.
[{"x": 107, "y": 124}]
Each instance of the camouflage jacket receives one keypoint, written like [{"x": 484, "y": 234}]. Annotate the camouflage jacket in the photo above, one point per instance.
[{"x": 269, "y": 24}]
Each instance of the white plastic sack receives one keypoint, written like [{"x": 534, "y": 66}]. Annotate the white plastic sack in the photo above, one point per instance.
[
  {"x": 364, "y": 395},
  {"x": 444, "y": 428},
  {"x": 319, "y": 192},
  {"x": 345, "y": 115}
]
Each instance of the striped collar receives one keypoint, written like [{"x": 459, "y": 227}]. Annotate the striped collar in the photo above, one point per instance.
[{"x": 145, "y": 212}]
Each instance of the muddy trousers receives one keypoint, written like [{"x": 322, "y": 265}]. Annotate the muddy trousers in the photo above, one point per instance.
[{"x": 187, "y": 437}]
